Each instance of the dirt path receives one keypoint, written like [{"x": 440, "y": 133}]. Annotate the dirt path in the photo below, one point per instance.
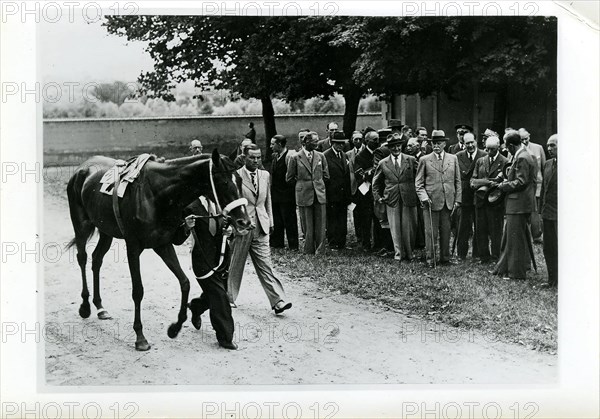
[{"x": 323, "y": 339}]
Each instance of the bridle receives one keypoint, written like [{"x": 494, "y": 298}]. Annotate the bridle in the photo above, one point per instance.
[
  {"x": 229, "y": 207},
  {"x": 223, "y": 213}
]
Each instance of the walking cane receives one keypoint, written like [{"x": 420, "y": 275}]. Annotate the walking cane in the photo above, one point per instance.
[
  {"x": 432, "y": 236},
  {"x": 530, "y": 246}
]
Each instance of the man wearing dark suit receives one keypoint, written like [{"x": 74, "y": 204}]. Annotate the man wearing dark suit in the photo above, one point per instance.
[
  {"x": 489, "y": 217},
  {"x": 325, "y": 144},
  {"x": 439, "y": 189},
  {"x": 549, "y": 211},
  {"x": 308, "y": 171},
  {"x": 283, "y": 197},
  {"x": 358, "y": 145},
  {"x": 459, "y": 145},
  {"x": 214, "y": 286},
  {"x": 394, "y": 186},
  {"x": 466, "y": 162},
  {"x": 256, "y": 189},
  {"x": 338, "y": 192},
  {"x": 382, "y": 237},
  {"x": 515, "y": 257},
  {"x": 363, "y": 170}
]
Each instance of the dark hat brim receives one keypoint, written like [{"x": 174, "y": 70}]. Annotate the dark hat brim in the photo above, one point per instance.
[
  {"x": 463, "y": 126},
  {"x": 433, "y": 139}
]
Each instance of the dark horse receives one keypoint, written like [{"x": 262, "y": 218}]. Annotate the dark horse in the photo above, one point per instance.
[{"x": 150, "y": 212}]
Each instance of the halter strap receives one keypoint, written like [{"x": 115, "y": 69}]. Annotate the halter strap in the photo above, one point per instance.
[
  {"x": 234, "y": 204},
  {"x": 221, "y": 257}
]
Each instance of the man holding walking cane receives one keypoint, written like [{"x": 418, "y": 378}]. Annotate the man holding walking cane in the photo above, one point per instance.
[{"x": 439, "y": 190}]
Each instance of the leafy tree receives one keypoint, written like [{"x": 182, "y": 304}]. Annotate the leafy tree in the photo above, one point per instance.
[{"x": 115, "y": 92}]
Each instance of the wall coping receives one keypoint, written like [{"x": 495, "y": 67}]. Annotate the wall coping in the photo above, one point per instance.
[{"x": 158, "y": 118}]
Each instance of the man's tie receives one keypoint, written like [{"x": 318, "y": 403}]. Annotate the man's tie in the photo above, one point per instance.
[
  {"x": 396, "y": 162},
  {"x": 310, "y": 158},
  {"x": 253, "y": 175}
]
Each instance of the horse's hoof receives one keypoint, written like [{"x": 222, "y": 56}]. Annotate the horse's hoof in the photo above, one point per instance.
[
  {"x": 173, "y": 330},
  {"x": 142, "y": 345},
  {"x": 84, "y": 311},
  {"x": 103, "y": 315},
  {"x": 197, "y": 322}
]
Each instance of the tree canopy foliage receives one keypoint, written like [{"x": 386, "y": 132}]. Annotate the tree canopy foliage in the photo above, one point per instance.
[{"x": 298, "y": 57}]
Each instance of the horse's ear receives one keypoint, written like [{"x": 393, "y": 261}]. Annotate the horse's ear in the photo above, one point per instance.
[{"x": 216, "y": 157}]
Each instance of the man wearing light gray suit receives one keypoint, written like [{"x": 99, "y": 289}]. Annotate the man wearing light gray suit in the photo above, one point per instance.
[
  {"x": 256, "y": 188},
  {"x": 394, "y": 186},
  {"x": 438, "y": 187},
  {"x": 308, "y": 171}
]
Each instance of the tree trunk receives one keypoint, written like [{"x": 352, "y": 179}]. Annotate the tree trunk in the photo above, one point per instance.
[
  {"x": 352, "y": 97},
  {"x": 268, "y": 114}
]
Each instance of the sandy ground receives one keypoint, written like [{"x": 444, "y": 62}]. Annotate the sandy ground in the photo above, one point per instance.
[{"x": 323, "y": 339}]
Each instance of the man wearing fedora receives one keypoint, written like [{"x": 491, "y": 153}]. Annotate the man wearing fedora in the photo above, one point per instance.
[
  {"x": 467, "y": 159},
  {"x": 516, "y": 247},
  {"x": 438, "y": 187},
  {"x": 338, "y": 191},
  {"x": 489, "y": 217},
  {"x": 394, "y": 186},
  {"x": 459, "y": 145},
  {"x": 549, "y": 211},
  {"x": 308, "y": 171}
]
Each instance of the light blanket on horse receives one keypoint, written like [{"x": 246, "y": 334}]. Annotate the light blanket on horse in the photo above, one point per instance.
[{"x": 126, "y": 171}]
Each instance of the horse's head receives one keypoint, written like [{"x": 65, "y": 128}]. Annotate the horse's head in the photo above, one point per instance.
[{"x": 225, "y": 183}]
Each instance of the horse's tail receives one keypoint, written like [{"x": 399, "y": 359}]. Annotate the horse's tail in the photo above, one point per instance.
[{"x": 83, "y": 226}]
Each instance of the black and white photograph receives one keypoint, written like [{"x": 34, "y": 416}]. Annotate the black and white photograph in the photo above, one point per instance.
[{"x": 301, "y": 197}]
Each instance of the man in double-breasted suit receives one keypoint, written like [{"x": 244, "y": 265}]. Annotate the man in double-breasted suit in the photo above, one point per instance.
[
  {"x": 364, "y": 171},
  {"x": 308, "y": 171},
  {"x": 489, "y": 217},
  {"x": 338, "y": 191},
  {"x": 549, "y": 211},
  {"x": 256, "y": 188},
  {"x": 515, "y": 256},
  {"x": 394, "y": 186},
  {"x": 283, "y": 197},
  {"x": 439, "y": 190},
  {"x": 466, "y": 162}
]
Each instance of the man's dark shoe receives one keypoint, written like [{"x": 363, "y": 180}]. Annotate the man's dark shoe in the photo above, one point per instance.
[
  {"x": 281, "y": 306},
  {"x": 228, "y": 345}
]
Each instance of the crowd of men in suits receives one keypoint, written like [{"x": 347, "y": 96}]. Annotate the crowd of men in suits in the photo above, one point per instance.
[{"x": 405, "y": 190}]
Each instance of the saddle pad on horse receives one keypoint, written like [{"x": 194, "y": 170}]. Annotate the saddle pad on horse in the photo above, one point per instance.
[{"x": 127, "y": 172}]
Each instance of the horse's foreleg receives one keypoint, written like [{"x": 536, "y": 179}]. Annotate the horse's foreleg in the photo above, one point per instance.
[
  {"x": 133, "y": 257},
  {"x": 84, "y": 308},
  {"x": 168, "y": 255},
  {"x": 97, "y": 257}
]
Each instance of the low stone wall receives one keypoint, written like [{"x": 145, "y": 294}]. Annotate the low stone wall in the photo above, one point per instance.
[{"x": 71, "y": 141}]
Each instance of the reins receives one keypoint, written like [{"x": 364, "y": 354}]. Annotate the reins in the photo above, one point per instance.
[{"x": 223, "y": 213}]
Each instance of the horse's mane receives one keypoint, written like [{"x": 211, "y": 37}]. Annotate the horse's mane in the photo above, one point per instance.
[{"x": 229, "y": 166}]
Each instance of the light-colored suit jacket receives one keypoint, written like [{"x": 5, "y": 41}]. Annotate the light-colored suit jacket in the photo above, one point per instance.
[
  {"x": 539, "y": 156},
  {"x": 520, "y": 185},
  {"x": 309, "y": 179},
  {"x": 396, "y": 185},
  {"x": 439, "y": 181},
  {"x": 259, "y": 201}
]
